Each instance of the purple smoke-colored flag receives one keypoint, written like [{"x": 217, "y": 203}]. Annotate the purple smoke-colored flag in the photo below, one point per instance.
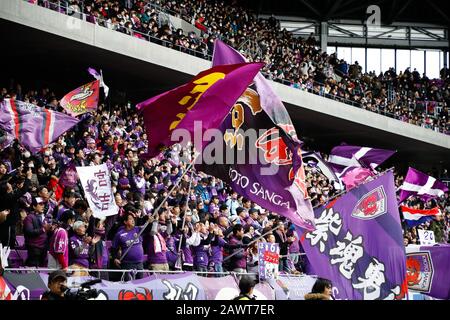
[
  {"x": 358, "y": 243},
  {"x": 195, "y": 107},
  {"x": 427, "y": 270},
  {"x": 345, "y": 157},
  {"x": 33, "y": 126},
  {"x": 422, "y": 185},
  {"x": 284, "y": 190}
]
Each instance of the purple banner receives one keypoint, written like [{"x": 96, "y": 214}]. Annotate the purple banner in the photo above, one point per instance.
[
  {"x": 358, "y": 243},
  {"x": 427, "y": 270}
]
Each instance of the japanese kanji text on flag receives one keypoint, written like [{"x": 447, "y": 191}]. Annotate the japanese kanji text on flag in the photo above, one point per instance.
[{"x": 96, "y": 182}]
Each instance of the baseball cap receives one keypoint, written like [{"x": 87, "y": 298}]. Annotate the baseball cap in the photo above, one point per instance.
[
  {"x": 37, "y": 200},
  {"x": 55, "y": 275}
]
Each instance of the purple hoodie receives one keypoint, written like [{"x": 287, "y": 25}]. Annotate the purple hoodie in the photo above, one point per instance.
[
  {"x": 201, "y": 252},
  {"x": 239, "y": 260},
  {"x": 172, "y": 249}
]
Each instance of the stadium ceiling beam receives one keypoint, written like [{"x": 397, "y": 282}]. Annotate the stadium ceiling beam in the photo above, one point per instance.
[
  {"x": 428, "y": 33},
  {"x": 356, "y": 8},
  {"x": 438, "y": 10},
  {"x": 396, "y": 13},
  {"x": 330, "y": 12},
  {"x": 310, "y": 7},
  {"x": 386, "y": 32},
  {"x": 347, "y": 32}
]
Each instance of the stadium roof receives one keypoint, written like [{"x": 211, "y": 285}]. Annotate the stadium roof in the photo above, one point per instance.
[{"x": 416, "y": 11}]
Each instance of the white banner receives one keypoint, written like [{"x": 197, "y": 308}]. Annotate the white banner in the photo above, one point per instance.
[
  {"x": 96, "y": 182},
  {"x": 426, "y": 237}
]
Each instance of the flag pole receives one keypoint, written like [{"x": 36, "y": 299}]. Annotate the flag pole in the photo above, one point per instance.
[
  {"x": 184, "y": 220},
  {"x": 155, "y": 212},
  {"x": 315, "y": 207}
]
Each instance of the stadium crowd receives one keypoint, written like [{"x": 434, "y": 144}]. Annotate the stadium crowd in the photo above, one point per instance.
[
  {"x": 201, "y": 223},
  {"x": 298, "y": 62}
]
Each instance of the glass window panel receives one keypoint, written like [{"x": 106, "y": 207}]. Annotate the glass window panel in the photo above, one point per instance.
[
  {"x": 359, "y": 54},
  {"x": 417, "y": 61},
  {"x": 433, "y": 65},
  {"x": 331, "y": 50},
  {"x": 374, "y": 60},
  {"x": 387, "y": 59},
  {"x": 403, "y": 60},
  {"x": 344, "y": 53}
]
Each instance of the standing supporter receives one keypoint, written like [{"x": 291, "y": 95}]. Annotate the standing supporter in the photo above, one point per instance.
[
  {"x": 35, "y": 231},
  {"x": 59, "y": 242}
]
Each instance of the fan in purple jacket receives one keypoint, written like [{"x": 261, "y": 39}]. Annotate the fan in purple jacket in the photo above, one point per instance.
[
  {"x": 201, "y": 251},
  {"x": 216, "y": 254}
]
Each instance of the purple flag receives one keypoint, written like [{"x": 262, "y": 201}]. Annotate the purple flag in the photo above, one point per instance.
[
  {"x": 205, "y": 100},
  {"x": 422, "y": 185},
  {"x": 345, "y": 157},
  {"x": 358, "y": 243},
  {"x": 259, "y": 109},
  {"x": 33, "y": 126},
  {"x": 427, "y": 270}
]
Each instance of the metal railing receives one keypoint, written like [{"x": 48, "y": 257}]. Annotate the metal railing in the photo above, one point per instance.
[{"x": 65, "y": 8}]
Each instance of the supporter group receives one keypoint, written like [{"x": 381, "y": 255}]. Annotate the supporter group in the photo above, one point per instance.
[{"x": 44, "y": 211}]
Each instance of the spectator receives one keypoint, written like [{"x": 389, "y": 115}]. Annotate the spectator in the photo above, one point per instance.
[
  {"x": 59, "y": 242},
  {"x": 322, "y": 290},
  {"x": 35, "y": 231}
]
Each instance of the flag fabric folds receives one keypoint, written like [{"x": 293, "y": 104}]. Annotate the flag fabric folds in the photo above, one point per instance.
[
  {"x": 422, "y": 185},
  {"x": 33, "y": 126},
  {"x": 358, "y": 243},
  {"x": 345, "y": 157},
  {"x": 96, "y": 182},
  {"x": 82, "y": 99},
  {"x": 276, "y": 179},
  {"x": 99, "y": 76},
  {"x": 314, "y": 160},
  {"x": 208, "y": 98},
  {"x": 356, "y": 176},
  {"x": 428, "y": 270},
  {"x": 414, "y": 217}
]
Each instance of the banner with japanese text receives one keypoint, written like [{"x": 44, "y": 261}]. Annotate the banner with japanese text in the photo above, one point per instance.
[
  {"x": 358, "y": 243},
  {"x": 268, "y": 259},
  {"x": 96, "y": 182}
]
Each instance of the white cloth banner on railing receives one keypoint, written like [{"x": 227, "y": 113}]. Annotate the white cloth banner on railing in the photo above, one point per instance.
[{"x": 96, "y": 182}]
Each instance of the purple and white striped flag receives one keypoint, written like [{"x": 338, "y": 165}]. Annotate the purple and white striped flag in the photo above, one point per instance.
[
  {"x": 421, "y": 184},
  {"x": 344, "y": 158},
  {"x": 33, "y": 126}
]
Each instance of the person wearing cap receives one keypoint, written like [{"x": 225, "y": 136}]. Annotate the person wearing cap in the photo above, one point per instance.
[
  {"x": 246, "y": 286},
  {"x": 202, "y": 190},
  {"x": 59, "y": 242},
  {"x": 35, "y": 230},
  {"x": 57, "y": 283},
  {"x": 91, "y": 148}
]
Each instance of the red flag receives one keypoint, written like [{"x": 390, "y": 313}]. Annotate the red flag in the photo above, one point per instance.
[{"x": 81, "y": 100}]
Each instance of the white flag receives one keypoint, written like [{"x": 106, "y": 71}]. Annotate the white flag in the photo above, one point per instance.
[{"x": 96, "y": 182}]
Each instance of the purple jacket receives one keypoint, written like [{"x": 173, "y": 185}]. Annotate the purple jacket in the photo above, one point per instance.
[
  {"x": 34, "y": 233},
  {"x": 239, "y": 260},
  {"x": 201, "y": 252},
  {"x": 78, "y": 251},
  {"x": 172, "y": 250},
  {"x": 217, "y": 244}
]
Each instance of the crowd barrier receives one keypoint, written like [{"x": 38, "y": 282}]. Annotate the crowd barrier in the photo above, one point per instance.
[{"x": 29, "y": 284}]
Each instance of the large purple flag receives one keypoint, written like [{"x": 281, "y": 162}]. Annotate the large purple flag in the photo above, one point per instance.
[
  {"x": 358, "y": 243},
  {"x": 282, "y": 187},
  {"x": 427, "y": 270},
  {"x": 422, "y": 185},
  {"x": 205, "y": 100},
  {"x": 33, "y": 126},
  {"x": 345, "y": 157}
]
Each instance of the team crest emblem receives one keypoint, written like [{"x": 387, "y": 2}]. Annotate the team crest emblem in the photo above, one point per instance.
[
  {"x": 372, "y": 205},
  {"x": 419, "y": 271}
]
